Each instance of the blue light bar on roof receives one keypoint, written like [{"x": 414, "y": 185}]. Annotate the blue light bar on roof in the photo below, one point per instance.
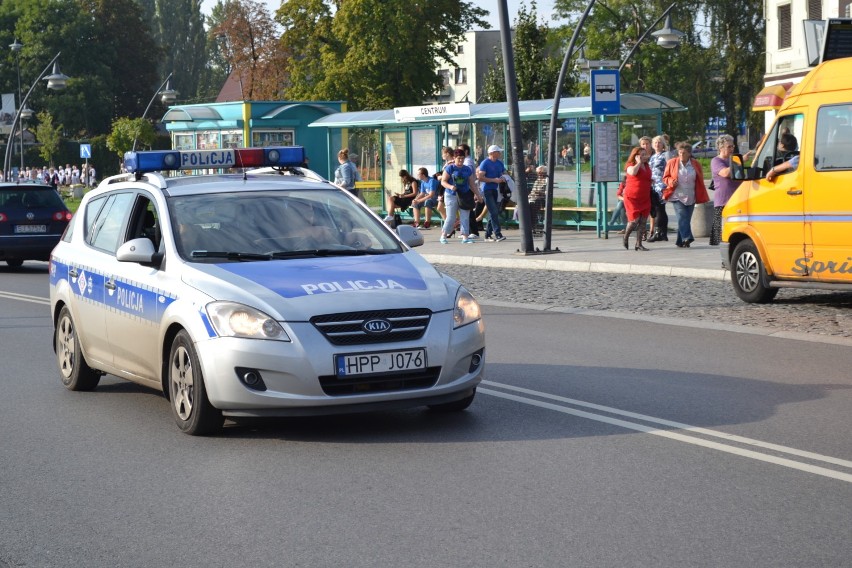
[{"x": 171, "y": 160}]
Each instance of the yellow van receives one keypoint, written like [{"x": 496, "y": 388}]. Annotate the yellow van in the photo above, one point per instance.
[{"x": 789, "y": 224}]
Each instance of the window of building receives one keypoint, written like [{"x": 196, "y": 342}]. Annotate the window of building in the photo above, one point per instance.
[
  {"x": 460, "y": 50},
  {"x": 845, "y": 9},
  {"x": 785, "y": 26},
  {"x": 184, "y": 142},
  {"x": 461, "y": 76},
  {"x": 445, "y": 79},
  {"x": 263, "y": 138},
  {"x": 232, "y": 139},
  {"x": 208, "y": 140},
  {"x": 815, "y": 9}
]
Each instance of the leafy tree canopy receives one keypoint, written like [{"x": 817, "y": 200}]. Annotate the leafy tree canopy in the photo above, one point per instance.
[{"x": 372, "y": 53}]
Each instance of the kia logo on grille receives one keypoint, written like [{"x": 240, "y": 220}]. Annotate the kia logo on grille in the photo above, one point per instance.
[{"x": 376, "y": 326}]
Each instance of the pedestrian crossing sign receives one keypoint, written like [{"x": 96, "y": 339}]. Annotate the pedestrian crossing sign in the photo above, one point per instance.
[{"x": 85, "y": 151}]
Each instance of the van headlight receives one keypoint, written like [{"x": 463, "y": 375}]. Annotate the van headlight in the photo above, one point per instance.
[
  {"x": 466, "y": 310},
  {"x": 231, "y": 319}
]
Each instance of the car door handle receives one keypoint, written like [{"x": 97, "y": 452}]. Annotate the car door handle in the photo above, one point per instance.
[
  {"x": 73, "y": 272},
  {"x": 794, "y": 192},
  {"x": 110, "y": 285}
]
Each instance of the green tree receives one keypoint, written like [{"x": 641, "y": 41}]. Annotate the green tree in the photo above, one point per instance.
[
  {"x": 177, "y": 27},
  {"x": 738, "y": 37},
  {"x": 48, "y": 136},
  {"x": 536, "y": 69},
  {"x": 247, "y": 38},
  {"x": 372, "y": 53},
  {"x": 126, "y": 131}
]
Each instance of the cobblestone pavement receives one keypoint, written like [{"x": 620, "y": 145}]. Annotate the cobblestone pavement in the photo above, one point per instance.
[{"x": 803, "y": 311}]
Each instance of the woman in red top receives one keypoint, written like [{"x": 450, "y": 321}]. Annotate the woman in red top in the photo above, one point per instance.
[{"x": 637, "y": 195}]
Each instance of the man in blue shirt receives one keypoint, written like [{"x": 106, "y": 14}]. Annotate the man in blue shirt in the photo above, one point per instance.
[
  {"x": 426, "y": 198},
  {"x": 490, "y": 173}
]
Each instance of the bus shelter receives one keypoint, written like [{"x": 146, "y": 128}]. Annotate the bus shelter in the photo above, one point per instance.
[{"x": 411, "y": 137}]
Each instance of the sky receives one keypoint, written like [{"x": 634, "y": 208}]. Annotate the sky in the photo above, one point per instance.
[{"x": 544, "y": 7}]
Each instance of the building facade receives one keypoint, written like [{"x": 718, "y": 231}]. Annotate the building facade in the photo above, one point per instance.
[
  {"x": 787, "y": 60},
  {"x": 465, "y": 75}
]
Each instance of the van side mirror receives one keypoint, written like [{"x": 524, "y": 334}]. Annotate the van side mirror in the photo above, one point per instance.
[{"x": 740, "y": 172}]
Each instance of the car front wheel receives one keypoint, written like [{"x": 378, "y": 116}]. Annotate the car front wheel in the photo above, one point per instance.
[
  {"x": 75, "y": 372},
  {"x": 749, "y": 276},
  {"x": 193, "y": 413}
]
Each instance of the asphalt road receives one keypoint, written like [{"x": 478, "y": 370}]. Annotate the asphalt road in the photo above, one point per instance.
[{"x": 595, "y": 441}]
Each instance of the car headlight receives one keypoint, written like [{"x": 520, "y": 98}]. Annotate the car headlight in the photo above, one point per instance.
[
  {"x": 230, "y": 319},
  {"x": 466, "y": 310}
]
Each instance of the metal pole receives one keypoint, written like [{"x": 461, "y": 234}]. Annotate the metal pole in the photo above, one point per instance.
[
  {"x": 527, "y": 244},
  {"x": 551, "y": 139},
  {"x": 18, "y": 65},
  {"x": 643, "y": 36},
  {"x": 17, "y": 118},
  {"x": 147, "y": 108}
]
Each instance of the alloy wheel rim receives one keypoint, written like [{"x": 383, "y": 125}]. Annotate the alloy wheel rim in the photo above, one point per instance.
[
  {"x": 65, "y": 347},
  {"x": 748, "y": 272},
  {"x": 182, "y": 383}
]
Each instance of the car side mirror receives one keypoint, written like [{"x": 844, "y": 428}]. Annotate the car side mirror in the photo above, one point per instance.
[
  {"x": 139, "y": 250},
  {"x": 410, "y": 235}
]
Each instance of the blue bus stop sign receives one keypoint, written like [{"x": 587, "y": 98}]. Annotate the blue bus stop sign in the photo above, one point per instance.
[
  {"x": 85, "y": 151},
  {"x": 606, "y": 92}
]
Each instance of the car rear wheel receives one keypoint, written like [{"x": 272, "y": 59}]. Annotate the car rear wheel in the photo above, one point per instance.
[
  {"x": 455, "y": 406},
  {"x": 192, "y": 411},
  {"x": 749, "y": 276},
  {"x": 75, "y": 372},
  {"x": 15, "y": 262}
]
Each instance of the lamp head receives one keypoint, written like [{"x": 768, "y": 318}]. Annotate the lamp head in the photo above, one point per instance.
[
  {"x": 168, "y": 95},
  {"x": 57, "y": 79},
  {"x": 26, "y": 113},
  {"x": 668, "y": 37},
  {"x": 16, "y": 47}
]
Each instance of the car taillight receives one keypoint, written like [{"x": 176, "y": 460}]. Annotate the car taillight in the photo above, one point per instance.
[
  {"x": 62, "y": 216},
  {"x": 3, "y": 217}
]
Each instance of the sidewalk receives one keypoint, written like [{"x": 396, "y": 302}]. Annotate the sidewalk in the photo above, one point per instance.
[{"x": 580, "y": 251}]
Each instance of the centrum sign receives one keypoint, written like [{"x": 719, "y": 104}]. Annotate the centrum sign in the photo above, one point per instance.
[{"x": 431, "y": 112}]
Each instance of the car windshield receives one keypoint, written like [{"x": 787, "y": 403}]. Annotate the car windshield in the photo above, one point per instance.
[
  {"x": 30, "y": 198},
  {"x": 268, "y": 225}
]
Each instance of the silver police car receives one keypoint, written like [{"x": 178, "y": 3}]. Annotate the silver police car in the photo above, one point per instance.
[{"x": 252, "y": 295}]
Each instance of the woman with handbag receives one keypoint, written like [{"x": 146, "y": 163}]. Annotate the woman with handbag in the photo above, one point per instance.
[
  {"x": 685, "y": 187},
  {"x": 460, "y": 196},
  {"x": 637, "y": 195}
]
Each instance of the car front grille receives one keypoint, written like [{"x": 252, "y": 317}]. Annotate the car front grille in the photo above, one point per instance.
[
  {"x": 421, "y": 379},
  {"x": 348, "y": 328}
]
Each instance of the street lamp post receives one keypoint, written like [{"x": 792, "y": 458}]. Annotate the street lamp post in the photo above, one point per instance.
[
  {"x": 167, "y": 96},
  {"x": 55, "y": 81},
  {"x": 551, "y": 139},
  {"x": 667, "y": 37},
  {"x": 16, "y": 48}
]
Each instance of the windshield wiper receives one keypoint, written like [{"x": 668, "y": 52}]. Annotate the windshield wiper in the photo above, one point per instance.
[
  {"x": 324, "y": 252},
  {"x": 230, "y": 255}
]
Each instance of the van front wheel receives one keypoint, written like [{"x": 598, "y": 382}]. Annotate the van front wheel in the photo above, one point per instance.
[{"x": 748, "y": 275}]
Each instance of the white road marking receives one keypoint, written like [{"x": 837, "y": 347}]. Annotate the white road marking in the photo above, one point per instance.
[
  {"x": 25, "y": 298},
  {"x": 677, "y": 436}
]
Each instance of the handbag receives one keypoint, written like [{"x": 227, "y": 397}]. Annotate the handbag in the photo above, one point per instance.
[{"x": 466, "y": 200}]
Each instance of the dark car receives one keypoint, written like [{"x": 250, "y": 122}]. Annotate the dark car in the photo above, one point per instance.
[{"x": 32, "y": 220}]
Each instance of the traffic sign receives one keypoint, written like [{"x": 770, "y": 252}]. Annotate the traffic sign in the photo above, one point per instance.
[
  {"x": 606, "y": 92},
  {"x": 85, "y": 151}
]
